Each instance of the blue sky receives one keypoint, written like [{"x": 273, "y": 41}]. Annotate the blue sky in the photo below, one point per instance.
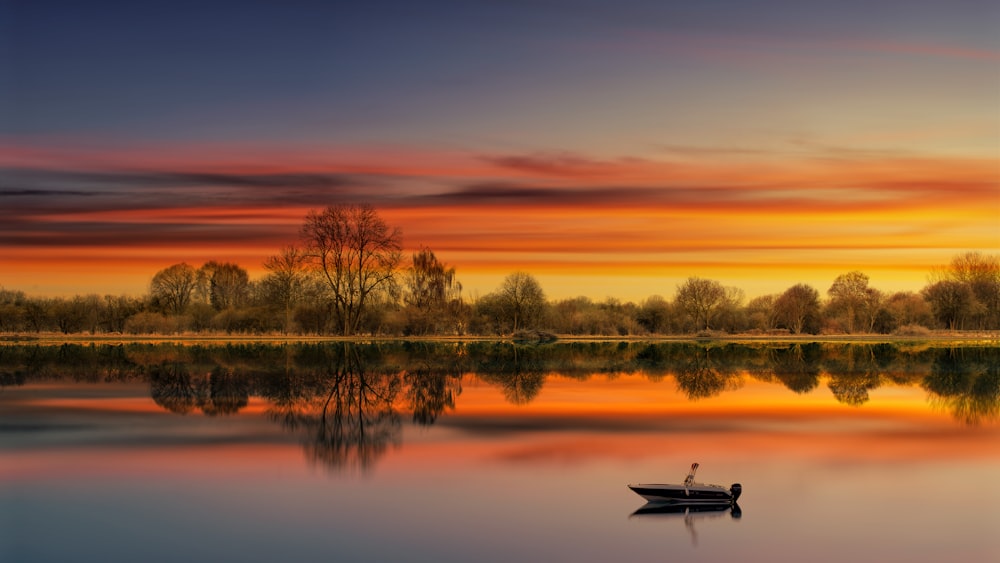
[{"x": 102, "y": 104}]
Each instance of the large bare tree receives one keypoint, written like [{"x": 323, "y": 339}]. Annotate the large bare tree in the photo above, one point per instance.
[
  {"x": 521, "y": 299},
  {"x": 173, "y": 287},
  {"x": 356, "y": 253},
  {"x": 701, "y": 299}
]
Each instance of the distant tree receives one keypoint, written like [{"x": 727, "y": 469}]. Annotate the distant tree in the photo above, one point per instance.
[
  {"x": 731, "y": 316},
  {"x": 798, "y": 308},
  {"x": 12, "y": 304},
  {"x": 701, "y": 299},
  {"x": 38, "y": 315},
  {"x": 654, "y": 315},
  {"x": 116, "y": 310},
  {"x": 981, "y": 273},
  {"x": 908, "y": 309},
  {"x": 488, "y": 315},
  {"x": 522, "y": 300},
  {"x": 173, "y": 287},
  {"x": 619, "y": 317},
  {"x": 286, "y": 281},
  {"x": 432, "y": 294},
  {"x": 228, "y": 284},
  {"x": 952, "y": 302},
  {"x": 851, "y": 295},
  {"x": 576, "y": 315},
  {"x": 356, "y": 253},
  {"x": 872, "y": 309},
  {"x": 75, "y": 314},
  {"x": 761, "y": 312}
]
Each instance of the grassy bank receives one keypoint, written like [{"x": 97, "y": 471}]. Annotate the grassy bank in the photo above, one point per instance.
[{"x": 937, "y": 337}]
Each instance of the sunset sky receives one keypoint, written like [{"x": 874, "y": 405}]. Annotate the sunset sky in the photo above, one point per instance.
[{"x": 608, "y": 148}]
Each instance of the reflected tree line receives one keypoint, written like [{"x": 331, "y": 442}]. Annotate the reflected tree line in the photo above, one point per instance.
[{"x": 347, "y": 402}]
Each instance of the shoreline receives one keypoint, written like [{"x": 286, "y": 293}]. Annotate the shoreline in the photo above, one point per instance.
[{"x": 972, "y": 338}]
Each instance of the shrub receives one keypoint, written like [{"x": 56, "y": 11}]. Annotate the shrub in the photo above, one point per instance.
[{"x": 912, "y": 330}]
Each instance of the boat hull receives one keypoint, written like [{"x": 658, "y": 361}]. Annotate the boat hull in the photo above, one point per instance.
[{"x": 679, "y": 494}]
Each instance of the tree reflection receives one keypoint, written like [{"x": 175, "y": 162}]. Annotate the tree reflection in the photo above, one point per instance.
[
  {"x": 227, "y": 393},
  {"x": 219, "y": 392},
  {"x": 340, "y": 397},
  {"x": 797, "y": 367},
  {"x": 430, "y": 392},
  {"x": 702, "y": 376},
  {"x": 854, "y": 371},
  {"x": 517, "y": 369},
  {"x": 966, "y": 385},
  {"x": 171, "y": 387},
  {"x": 350, "y": 421}
]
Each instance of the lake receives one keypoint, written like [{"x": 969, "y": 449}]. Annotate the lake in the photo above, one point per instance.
[{"x": 497, "y": 452}]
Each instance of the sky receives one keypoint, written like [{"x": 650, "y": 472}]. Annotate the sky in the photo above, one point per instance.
[{"x": 610, "y": 149}]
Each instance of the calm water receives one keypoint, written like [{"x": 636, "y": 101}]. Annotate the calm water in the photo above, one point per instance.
[{"x": 496, "y": 452}]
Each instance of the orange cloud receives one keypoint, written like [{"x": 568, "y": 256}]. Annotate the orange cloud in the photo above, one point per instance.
[{"x": 822, "y": 209}]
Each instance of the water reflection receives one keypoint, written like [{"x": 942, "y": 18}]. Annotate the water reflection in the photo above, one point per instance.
[
  {"x": 688, "y": 514},
  {"x": 342, "y": 407},
  {"x": 797, "y": 367},
  {"x": 220, "y": 391},
  {"x": 347, "y": 402},
  {"x": 707, "y": 373},
  {"x": 965, "y": 384}
]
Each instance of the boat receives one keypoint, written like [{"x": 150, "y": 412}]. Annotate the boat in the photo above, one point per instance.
[{"x": 689, "y": 492}]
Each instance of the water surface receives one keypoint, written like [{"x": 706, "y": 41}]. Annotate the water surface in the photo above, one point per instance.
[{"x": 496, "y": 452}]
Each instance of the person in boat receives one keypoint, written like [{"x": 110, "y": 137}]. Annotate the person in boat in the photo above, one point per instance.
[{"x": 689, "y": 480}]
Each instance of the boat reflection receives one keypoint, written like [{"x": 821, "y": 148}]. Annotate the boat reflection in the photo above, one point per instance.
[{"x": 688, "y": 513}]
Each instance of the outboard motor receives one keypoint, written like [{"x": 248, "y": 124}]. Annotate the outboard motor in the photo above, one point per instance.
[{"x": 736, "y": 489}]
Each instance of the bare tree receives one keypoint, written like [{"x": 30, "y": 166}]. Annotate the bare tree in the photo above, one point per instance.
[
  {"x": 285, "y": 283},
  {"x": 521, "y": 299},
  {"x": 173, "y": 287},
  {"x": 981, "y": 273},
  {"x": 356, "y": 253},
  {"x": 797, "y": 306},
  {"x": 700, "y": 299}
]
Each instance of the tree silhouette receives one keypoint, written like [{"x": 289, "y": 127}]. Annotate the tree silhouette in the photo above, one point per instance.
[
  {"x": 356, "y": 253},
  {"x": 174, "y": 287}
]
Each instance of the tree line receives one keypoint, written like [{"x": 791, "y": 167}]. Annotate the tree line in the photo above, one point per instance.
[{"x": 348, "y": 276}]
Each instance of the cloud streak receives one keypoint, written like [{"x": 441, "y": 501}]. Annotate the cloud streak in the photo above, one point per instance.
[{"x": 556, "y": 212}]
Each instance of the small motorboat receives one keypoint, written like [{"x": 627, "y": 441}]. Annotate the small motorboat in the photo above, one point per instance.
[{"x": 689, "y": 492}]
